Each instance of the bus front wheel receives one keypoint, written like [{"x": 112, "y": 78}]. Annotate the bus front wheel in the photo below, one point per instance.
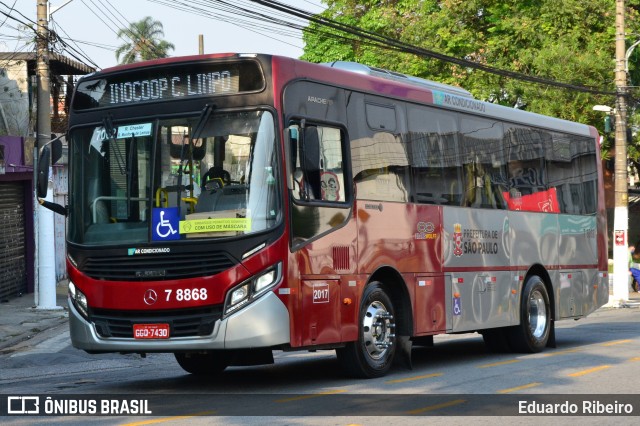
[
  {"x": 533, "y": 332},
  {"x": 372, "y": 354},
  {"x": 203, "y": 363}
]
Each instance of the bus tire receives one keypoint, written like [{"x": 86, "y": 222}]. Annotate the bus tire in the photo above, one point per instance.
[
  {"x": 372, "y": 354},
  {"x": 208, "y": 363},
  {"x": 535, "y": 318}
]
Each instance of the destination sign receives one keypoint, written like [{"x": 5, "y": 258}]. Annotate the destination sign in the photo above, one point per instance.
[{"x": 177, "y": 81}]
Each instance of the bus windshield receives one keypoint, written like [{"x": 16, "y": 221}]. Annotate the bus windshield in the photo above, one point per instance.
[{"x": 207, "y": 176}]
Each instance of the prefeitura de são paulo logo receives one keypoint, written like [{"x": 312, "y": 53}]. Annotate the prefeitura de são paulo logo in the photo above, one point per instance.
[{"x": 457, "y": 239}]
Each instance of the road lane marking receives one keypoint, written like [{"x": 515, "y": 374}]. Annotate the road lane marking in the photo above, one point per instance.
[
  {"x": 169, "y": 419},
  {"x": 410, "y": 379},
  {"x": 589, "y": 371},
  {"x": 497, "y": 364},
  {"x": 566, "y": 351},
  {"x": 313, "y": 395},
  {"x": 616, "y": 342},
  {"x": 635, "y": 358},
  {"x": 437, "y": 406},
  {"x": 517, "y": 388}
]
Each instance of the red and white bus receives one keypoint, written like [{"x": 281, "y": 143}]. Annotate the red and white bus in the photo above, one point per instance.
[{"x": 225, "y": 206}]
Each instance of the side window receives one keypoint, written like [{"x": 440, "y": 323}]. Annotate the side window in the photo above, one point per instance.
[
  {"x": 317, "y": 163},
  {"x": 573, "y": 173},
  {"x": 526, "y": 150},
  {"x": 485, "y": 176},
  {"x": 381, "y": 167},
  {"x": 435, "y": 156},
  {"x": 380, "y": 117}
]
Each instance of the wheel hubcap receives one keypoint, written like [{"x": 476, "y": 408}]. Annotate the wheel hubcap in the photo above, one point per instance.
[
  {"x": 378, "y": 330},
  {"x": 537, "y": 314}
]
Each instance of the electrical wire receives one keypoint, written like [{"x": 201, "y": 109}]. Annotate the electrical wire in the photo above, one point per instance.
[{"x": 407, "y": 48}]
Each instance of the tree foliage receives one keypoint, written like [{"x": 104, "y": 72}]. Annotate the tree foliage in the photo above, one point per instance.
[
  {"x": 143, "y": 41},
  {"x": 572, "y": 41}
]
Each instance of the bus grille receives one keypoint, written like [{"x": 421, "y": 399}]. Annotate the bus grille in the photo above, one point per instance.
[
  {"x": 157, "y": 267},
  {"x": 182, "y": 323}
]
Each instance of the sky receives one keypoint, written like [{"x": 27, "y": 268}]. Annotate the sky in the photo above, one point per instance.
[{"x": 90, "y": 26}]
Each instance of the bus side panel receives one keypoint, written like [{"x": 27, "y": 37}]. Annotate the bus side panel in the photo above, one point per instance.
[
  {"x": 534, "y": 240},
  {"x": 407, "y": 238},
  {"x": 476, "y": 250},
  {"x": 317, "y": 270},
  {"x": 386, "y": 237},
  {"x": 320, "y": 311},
  {"x": 578, "y": 251},
  {"x": 429, "y": 311}
]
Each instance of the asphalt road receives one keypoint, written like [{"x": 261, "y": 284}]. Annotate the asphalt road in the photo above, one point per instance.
[{"x": 597, "y": 358}]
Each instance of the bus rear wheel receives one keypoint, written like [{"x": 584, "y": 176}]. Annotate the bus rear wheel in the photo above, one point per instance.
[
  {"x": 203, "y": 363},
  {"x": 533, "y": 332},
  {"x": 372, "y": 354}
]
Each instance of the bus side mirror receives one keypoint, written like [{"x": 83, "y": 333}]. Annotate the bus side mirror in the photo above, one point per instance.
[
  {"x": 291, "y": 153},
  {"x": 49, "y": 154},
  {"x": 44, "y": 160},
  {"x": 56, "y": 150}
]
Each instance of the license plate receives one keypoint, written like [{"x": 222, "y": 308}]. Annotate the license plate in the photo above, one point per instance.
[{"x": 150, "y": 331}]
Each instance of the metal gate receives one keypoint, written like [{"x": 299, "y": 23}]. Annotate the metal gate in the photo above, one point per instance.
[{"x": 13, "y": 276}]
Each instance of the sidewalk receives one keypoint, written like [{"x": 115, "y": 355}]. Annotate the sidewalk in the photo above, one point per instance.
[
  {"x": 20, "y": 320},
  {"x": 634, "y": 300}
]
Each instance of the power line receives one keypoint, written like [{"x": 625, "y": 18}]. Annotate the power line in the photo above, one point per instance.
[
  {"x": 70, "y": 49},
  {"x": 258, "y": 12},
  {"x": 31, "y": 21},
  {"x": 241, "y": 17},
  {"x": 421, "y": 51},
  {"x": 124, "y": 27},
  {"x": 10, "y": 10}
]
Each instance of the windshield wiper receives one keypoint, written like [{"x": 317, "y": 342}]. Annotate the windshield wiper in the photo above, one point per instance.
[
  {"x": 107, "y": 125},
  {"x": 133, "y": 146},
  {"x": 199, "y": 127}
]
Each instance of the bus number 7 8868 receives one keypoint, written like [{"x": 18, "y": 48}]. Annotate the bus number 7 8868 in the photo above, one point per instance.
[{"x": 186, "y": 294}]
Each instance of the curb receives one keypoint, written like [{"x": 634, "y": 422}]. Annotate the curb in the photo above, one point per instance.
[
  {"x": 36, "y": 335},
  {"x": 23, "y": 324}
]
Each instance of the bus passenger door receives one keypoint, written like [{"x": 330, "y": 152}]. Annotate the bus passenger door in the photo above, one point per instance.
[{"x": 320, "y": 311}]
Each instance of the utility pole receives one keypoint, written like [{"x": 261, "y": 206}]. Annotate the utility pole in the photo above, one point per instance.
[
  {"x": 45, "y": 252},
  {"x": 201, "y": 44},
  {"x": 621, "y": 214}
]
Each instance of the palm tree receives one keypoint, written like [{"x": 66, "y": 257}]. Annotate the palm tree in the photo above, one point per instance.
[{"x": 144, "y": 42}]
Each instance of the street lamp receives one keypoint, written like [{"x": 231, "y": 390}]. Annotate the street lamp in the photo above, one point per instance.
[{"x": 603, "y": 108}]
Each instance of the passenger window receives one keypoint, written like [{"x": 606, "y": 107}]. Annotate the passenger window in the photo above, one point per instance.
[
  {"x": 526, "y": 150},
  {"x": 484, "y": 163},
  {"x": 436, "y": 161}
]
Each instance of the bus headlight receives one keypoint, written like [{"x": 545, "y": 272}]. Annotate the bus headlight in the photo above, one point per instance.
[
  {"x": 79, "y": 300},
  {"x": 250, "y": 290}
]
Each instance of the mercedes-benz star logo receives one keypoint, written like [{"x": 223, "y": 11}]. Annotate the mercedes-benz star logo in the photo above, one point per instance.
[{"x": 150, "y": 297}]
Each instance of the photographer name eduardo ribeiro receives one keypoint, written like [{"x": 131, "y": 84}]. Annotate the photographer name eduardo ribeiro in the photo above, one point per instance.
[{"x": 580, "y": 408}]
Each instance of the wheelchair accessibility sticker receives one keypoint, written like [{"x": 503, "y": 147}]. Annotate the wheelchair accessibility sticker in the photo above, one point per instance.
[
  {"x": 165, "y": 222},
  {"x": 457, "y": 310}
]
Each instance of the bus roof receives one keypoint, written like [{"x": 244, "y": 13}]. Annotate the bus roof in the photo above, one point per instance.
[
  {"x": 386, "y": 83},
  {"x": 383, "y": 82}
]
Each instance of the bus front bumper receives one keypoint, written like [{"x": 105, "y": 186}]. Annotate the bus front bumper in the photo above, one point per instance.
[{"x": 263, "y": 323}]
